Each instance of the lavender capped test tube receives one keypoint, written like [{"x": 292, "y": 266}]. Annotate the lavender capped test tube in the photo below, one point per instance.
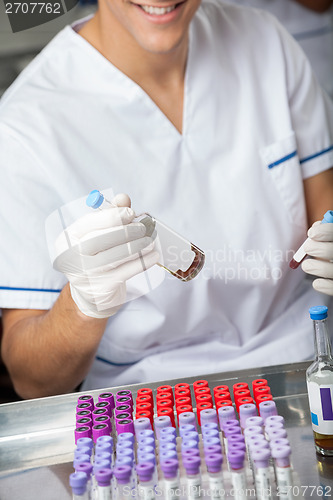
[
  {"x": 260, "y": 458},
  {"x": 267, "y": 409},
  {"x": 186, "y": 428},
  {"x": 123, "y": 473},
  {"x": 276, "y": 433},
  {"x": 169, "y": 468},
  {"x": 141, "y": 424},
  {"x": 187, "y": 418},
  {"x": 190, "y": 435},
  {"x": 274, "y": 419},
  {"x": 161, "y": 423},
  {"x": 189, "y": 444},
  {"x": 208, "y": 415},
  {"x": 78, "y": 483},
  {"x": 191, "y": 452},
  {"x": 167, "y": 455},
  {"x": 85, "y": 441},
  {"x": 145, "y": 473},
  {"x": 167, "y": 431},
  {"x": 103, "y": 480},
  {"x": 214, "y": 469},
  {"x": 246, "y": 411},
  {"x": 210, "y": 433},
  {"x": 225, "y": 413},
  {"x": 283, "y": 471},
  {"x": 209, "y": 426},
  {"x": 257, "y": 421},
  {"x": 236, "y": 460},
  {"x": 103, "y": 455},
  {"x": 193, "y": 476}
]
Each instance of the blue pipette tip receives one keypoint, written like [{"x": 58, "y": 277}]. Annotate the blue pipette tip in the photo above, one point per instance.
[
  {"x": 318, "y": 312},
  {"x": 94, "y": 199},
  {"x": 328, "y": 217}
]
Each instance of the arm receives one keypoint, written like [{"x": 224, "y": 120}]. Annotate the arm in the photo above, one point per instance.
[
  {"x": 49, "y": 352},
  {"x": 318, "y": 191},
  {"x": 316, "y": 5}
]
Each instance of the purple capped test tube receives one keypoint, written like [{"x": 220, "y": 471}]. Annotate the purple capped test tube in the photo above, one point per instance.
[
  {"x": 283, "y": 471},
  {"x": 167, "y": 438},
  {"x": 103, "y": 419},
  {"x": 209, "y": 426},
  {"x": 105, "y": 405},
  {"x": 236, "y": 460},
  {"x": 214, "y": 470},
  {"x": 167, "y": 431},
  {"x": 279, "y": 442},
  {"x": 100, "y": 430},
  {"x": 82, "y": 432},
  {"x": 193, "y": 476},
  {"x": 187, "y": 418},
  {"x": 124, "y": 425},
  {"x": 82, "y": 414},
  {"x": 274, "y": 419},
  {"x": 145, "y": 473},
  {"x": 119, "y": 409},
  {"x": 103, "y": 455},
  {"x": 267, "y": 409},
  {"x": 275, "y": 433},
  {"x": 160, "y": 423},
  {"x": 209, "y": 441},
  {"x": 85, "y": 398},
  {"x": 81, "y": 459},
  {"x": 85, "y": 441},
  {"x": 167, "y": 447},
  {"x": 260, "y": 458},
  {"x": 170, "y": 472},
  {"x": 109, "y": 397},
  {"x": 190, "y": 452},
  {"x": 213, "y": 448},
  {"x": 210, "y": 433},
  {"x": 167, "y": 455},
  {"x": 147, "y": 441},
  {"x": 124, "y": 394},
  {"x": 126, "y": 436},
  {"x": 78, "y": 484},
  {"x": 246, "y": 411},
  {"x": 123, "y": 473},
  {"x": 103, "y": 478}
]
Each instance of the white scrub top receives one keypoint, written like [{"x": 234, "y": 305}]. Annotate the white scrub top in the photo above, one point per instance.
[
  {"x": 313, "y": 31},
  {"x": 255, "y": 125}
]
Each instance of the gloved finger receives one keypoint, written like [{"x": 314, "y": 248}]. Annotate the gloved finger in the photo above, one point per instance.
[
  {"x": 320, "y": 249},
  {"x": 323, "y": 286},
  {"x": 121, "y": 200},
  {"x": 317, "y": 267},
  {"x": 136, "y": 266},
  {"x": 99, "y": 219},
  {"x": 112, "y": 237},
  {"x": 113, "y": 257},
  {"x": 321, "y": 232}
]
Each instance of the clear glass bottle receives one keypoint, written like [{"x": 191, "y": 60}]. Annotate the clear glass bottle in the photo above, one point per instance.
[{"x": 319, "y": 377}]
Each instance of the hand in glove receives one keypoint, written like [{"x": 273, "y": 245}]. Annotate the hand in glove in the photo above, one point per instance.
[
  {"x": 99, "y": 252},
  {"x": 320, "y": 246}
]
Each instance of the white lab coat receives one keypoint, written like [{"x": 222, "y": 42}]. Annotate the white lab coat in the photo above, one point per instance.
[
  {"x": 255, "y": 125},
  {"x": 312, "y": 30}
]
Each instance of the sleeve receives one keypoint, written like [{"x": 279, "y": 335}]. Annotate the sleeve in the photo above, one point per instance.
[
  {"x": 27, "y": 279},
  {"x": 310, "y": 107}
]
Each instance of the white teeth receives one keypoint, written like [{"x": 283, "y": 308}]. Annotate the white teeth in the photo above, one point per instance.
[{"x": 157, "y": 11}]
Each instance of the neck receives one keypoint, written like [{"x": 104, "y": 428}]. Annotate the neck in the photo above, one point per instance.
[
  {"x": 140, "y": 65},
  {"x": 322, "y": 343}
]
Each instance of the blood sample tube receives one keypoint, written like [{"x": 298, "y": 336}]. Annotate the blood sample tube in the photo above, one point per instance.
[
  {"x": 241, "y": 393},
  {"x": 204, "y": 398},
  {"x": 82, "y": 432},
  {"x": 187, "y": 418},
  {"x": 214, "y": 470},
  {"x": 183, "y": 393},
  {"x": 259, "y": 391},
  {"x": 246, "y": 411},
  {"x": 141, "y": 424},
  {"x": 166, "y": 389},
  {"x": 283, "y": 471},
  {"x": 123, "y": 409},
  {"x": 84, "y": 406},
  {"x": 145, "y": 414},
  {"x": 208, "y": 415},
  {"x": 258, "y": 382},
  {"x": 254, "y": 421},
  {"x": 238, "y": 479},
  {"x": 183, "y": 409},
  {"x": 145, "y": 391},
  {"x": 182, "y": 401},
  {"x": 106, "y": 405},
  {"x": 123, "y": 474},
  {"x": 239, "y": 386},
  {"x": 161, "y": 423},
  {"x": 193, "y": 476},
  {"x": 182, "y": 385},
  {"x": 202, "y": 406},
  {"x": 103, "y": 479},
  {"x": 78, "y": 483},
  {"x": 225, "y": 413},
  {"x": 267, "y": 409},
  {"x": 221, "y": 388},
  {"x": 300, "y": 254},
  {"x": 221, "y": 396},
  {"x": 171, "y": 480},
  {"x": 82, "y": 414},
  {"x": 191, "y": 435},
  {"x": 260, "y": 458},
  {"x": 161, "y": 412},
  {"x": 186, "y": 428},
  {"x": 124, "y": 425}
]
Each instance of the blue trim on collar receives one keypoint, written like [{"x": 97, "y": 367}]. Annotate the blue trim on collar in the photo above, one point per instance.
[{"x": 114, "y": 364}]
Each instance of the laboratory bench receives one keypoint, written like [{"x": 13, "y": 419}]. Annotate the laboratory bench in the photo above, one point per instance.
[{"x": 37, "y": 436}]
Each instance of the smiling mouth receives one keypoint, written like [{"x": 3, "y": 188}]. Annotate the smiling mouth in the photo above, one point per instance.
[{"x": 159, "y": 11}]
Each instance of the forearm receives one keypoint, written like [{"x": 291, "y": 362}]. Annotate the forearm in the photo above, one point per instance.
[
  {"x": 51, "y": 352},
  {"x": 316, "y": 5}
]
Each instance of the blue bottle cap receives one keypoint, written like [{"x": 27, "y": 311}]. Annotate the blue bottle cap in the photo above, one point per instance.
[
  {"x": 318, "y": 312},
  {"x": 328, "y": 217},
  {"x": 94, "y": 199}
]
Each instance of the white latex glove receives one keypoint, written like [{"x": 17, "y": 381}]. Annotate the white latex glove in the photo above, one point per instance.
[
  {"x": 99, "y": 252},
  {"x": 320, "y": 246}
]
